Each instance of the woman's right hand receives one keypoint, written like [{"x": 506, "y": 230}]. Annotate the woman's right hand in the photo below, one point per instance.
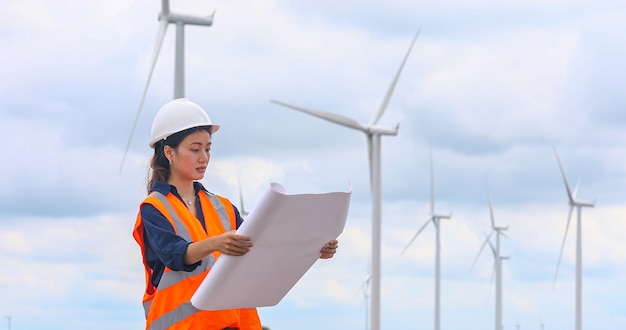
[
  {"x": 232, "y": 244},
  {"x": 228, "y": 243}
]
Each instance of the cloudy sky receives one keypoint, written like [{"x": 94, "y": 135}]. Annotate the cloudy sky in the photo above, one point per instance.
[{"x": 493, "y": 86}]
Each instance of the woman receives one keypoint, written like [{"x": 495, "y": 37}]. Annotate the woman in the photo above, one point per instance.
[{"x": 182, "y": 228}]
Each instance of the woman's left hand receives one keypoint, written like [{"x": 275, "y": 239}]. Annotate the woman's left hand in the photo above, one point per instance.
[{"x": 329, "y": 249}]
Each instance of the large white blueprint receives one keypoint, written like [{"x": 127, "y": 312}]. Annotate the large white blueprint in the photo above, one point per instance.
[{"x": 287, "y": 233}]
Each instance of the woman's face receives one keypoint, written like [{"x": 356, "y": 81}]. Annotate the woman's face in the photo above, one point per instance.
[{"x": 190, "y": 159}]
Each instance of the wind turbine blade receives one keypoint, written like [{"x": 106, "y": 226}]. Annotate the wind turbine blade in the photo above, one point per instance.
[
  {"x": 416, "y": 234},
  {"x": 332, "y": 117},
  {"x": 493, "y": 275},
  {"x": 493, "y": 222},
  {"x": 157, "y": 48},
  {"x": 432, "y": 183},
  {"x": 481, "y": 250},
  {"x": 383, "y": 106},
  {"x": 569, "y": 190},
  {"x": 569, "y": 217},
  {"x": 370, "y": 151},
  {"x": 493, "y": 249}
]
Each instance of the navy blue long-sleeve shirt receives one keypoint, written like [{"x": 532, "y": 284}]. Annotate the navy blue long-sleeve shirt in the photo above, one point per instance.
[{"x": 163, "y": 248}]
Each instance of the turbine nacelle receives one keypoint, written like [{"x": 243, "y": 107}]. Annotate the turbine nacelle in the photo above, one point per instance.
[
  {"x": 441, "y": 216},
  {"x": 175, "y": 18},
  {"x": 578, "y": 202},
  {"x": 500, "y": 229},
  {"x": 379, "y": 130},
  {"x": 171, "y": 17}
]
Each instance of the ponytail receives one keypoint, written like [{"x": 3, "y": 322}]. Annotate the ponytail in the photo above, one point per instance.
[{"x": 159, "y": 166}]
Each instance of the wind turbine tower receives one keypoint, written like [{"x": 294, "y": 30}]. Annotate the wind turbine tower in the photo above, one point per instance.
[
  {"x": 373, "y": 132},
  {"x": 497, "y": 261},
  {"x": 167, "y": 17},
  {"x": 574, "y": 202},
  {"x": 435, "y": 220}
]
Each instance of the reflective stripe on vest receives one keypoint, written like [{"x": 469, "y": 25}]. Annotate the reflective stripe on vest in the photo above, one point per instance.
[
  {"x": 221, "y": 211},
  {"x": 183, "y": 311}
]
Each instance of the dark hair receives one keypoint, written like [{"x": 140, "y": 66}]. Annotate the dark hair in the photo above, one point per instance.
[{"x": 159, "y": 165}]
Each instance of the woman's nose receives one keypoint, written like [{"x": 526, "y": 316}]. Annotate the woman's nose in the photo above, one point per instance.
[{"x": 204, "y": 157}]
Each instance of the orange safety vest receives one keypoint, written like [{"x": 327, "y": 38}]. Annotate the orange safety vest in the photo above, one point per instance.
[{"x": 168, "y": 306}]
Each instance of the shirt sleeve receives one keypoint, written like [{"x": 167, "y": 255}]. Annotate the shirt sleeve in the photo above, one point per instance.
[
  {"x": 238, "y": 218},
  {"x": 163, "y": 246}
]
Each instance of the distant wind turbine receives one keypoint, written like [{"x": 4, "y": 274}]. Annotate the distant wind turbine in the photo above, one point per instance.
[
  {"x": 497, "y": 261},
  {"x": 9, "y": 321},
  {"x": 242, "y": 211},
  {"x": 435, "y": 220},
  {"x": 373, "y": 132},
  {"x": 365, "y": 286},
  {"x": 578, "y": 204},
  {"x": 166, "y": 16}
]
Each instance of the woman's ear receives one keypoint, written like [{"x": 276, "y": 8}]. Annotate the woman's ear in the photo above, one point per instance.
[{"x": 169, "y": 153}]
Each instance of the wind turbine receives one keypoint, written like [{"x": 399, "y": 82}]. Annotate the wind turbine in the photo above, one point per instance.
[
  {"x": 373, "y": 132},
  {"x": 167, "y": 17},
  {"x": 435, "y": 219},
  {"x": 497, "y": 260},
  {"x": 578, "y": 204}
]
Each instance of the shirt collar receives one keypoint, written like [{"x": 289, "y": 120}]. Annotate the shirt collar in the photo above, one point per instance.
[{"x": 165, "y": 188}]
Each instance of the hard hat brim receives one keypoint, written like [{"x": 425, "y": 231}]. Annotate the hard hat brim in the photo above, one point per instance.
[{"x": 214, "y": 128}]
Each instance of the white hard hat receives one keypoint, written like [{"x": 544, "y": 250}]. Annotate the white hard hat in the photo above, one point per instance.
[{"x": 178, "y": 115}]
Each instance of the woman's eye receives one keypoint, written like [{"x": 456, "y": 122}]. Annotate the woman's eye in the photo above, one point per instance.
[{"x": 195, "y": 150}]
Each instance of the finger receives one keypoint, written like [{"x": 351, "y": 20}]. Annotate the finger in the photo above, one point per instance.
[
  {"x": 237, "y": 251},
  {"x": 243, "y": 244},
  {"x": 241, "y": 237}
]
